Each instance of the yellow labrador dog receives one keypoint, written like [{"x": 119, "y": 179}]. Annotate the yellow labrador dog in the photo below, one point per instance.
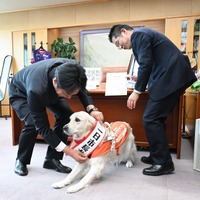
[{"x": 103, "y": 144}]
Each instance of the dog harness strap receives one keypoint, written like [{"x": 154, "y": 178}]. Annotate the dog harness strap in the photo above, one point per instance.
[{"x": 89, "y": 143}]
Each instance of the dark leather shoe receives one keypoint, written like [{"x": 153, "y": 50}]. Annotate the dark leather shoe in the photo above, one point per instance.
[
  {"x": 156, "y": 170},
  {"x": 56, "y": 165},
  {"x": 20, "y": 168},
  {"x": 147, "y": 160}
]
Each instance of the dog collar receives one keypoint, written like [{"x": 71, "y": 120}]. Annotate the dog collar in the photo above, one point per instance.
[{"x": 91, "y": 141}]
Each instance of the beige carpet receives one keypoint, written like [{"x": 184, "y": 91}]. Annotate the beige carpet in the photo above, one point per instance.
[{"x": 119, "y": 183}]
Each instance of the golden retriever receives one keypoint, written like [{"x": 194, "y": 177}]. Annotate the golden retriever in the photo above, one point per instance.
[{"x": 103, "y": 144}]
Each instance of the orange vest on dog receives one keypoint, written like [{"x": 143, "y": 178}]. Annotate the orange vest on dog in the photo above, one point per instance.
[{"x": 118, "y": 129}]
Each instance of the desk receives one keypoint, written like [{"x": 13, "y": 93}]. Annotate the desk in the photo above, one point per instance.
[{"x": 114, "y": 108}]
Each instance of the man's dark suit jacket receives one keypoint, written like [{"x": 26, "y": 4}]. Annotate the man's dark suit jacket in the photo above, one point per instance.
[
  {"x": 34, "y": 84},
  {"x": 161, "y": 65}
]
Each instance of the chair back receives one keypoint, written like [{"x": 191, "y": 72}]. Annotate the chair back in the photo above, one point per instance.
[{"x": 5, "y": 75}]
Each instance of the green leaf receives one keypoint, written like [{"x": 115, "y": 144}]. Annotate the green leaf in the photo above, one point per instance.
[
  {"x": 63, "y": 49},
  {"x": 70, "y": 40}
]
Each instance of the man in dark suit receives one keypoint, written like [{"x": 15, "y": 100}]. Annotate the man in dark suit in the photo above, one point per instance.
[
  {"x": 46, "y": 85},
  {"x": 167, "y": 72}
]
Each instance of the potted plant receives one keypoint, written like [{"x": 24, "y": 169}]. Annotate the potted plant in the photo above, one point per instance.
[{"x": 63, "y": 49}]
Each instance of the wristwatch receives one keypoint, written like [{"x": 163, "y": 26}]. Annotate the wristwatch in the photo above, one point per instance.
[{"x": 93, "y": 109}]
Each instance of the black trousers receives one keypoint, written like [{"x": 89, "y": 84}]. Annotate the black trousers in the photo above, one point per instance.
[
  {"x": 28, "y": 135},
  {"x": 154, "y": 119}
]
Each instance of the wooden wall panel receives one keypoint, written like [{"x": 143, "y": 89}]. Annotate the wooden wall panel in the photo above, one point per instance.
[
  {"x": 53, "y": 17},
  {"x": 14, "y": 21},
  {"x": 145, "y": 9},
  {"x": 52, "y": 34},
  {"x": 195, "y": 7},
  {"x": 98, "y": 13},
  {"x": 103, "y": 12}
]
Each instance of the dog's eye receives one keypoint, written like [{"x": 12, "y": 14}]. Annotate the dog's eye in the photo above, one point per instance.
[{"x": 77, "y": 119}]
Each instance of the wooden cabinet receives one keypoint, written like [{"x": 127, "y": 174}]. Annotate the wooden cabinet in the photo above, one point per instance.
[
  {"x": 24, "y": 43},
  {"x": 184, "y": 33}
]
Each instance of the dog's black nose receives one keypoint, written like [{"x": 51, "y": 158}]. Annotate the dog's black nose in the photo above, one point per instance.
[{"x": 65, "y": 129}]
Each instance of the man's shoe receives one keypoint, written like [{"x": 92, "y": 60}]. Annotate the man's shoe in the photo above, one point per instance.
[
  {"x": 20, "y": 168},
  {"x": 147, "y": 160},
  {"x": 56, "y": 165},
  {"x": 156, "y": 170}
]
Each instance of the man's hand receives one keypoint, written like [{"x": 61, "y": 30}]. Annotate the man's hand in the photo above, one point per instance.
[
  {"x": 131, "y": 78},
  {"x": 97, "y": 115},
  {"x": 132, "y": 100},
  {"x": 77, "y": 155}
]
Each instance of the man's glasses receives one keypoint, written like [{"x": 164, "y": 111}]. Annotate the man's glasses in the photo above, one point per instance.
[{"x": 117, "y": 42}]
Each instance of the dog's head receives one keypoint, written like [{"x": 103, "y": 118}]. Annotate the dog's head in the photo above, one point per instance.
[{"x": 80, "y": 124}]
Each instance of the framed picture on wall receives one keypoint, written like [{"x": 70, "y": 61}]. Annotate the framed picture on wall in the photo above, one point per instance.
[{"x": 97, "y": 51}]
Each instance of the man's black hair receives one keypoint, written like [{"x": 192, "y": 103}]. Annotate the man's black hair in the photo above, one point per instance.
[
  {"x": 71, "y": 76},
  {"x": 115, "y": 31}
]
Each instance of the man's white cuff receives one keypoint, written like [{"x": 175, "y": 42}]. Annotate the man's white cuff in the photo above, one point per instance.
[
  {"x": 60, "y": 147},
  {"x": 137, "y": 92}
]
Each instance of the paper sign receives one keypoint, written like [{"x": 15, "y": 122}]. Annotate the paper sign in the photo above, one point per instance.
[
  {"x": 116, "y": 84},
  {"x": 93, "y": 77}
]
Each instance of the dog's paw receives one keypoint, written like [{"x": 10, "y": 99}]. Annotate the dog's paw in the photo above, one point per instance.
[
  {"x": 58, "y": 185},
  {"x": 73, "y": 189},
  {"x": 129, "y": 164}
]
